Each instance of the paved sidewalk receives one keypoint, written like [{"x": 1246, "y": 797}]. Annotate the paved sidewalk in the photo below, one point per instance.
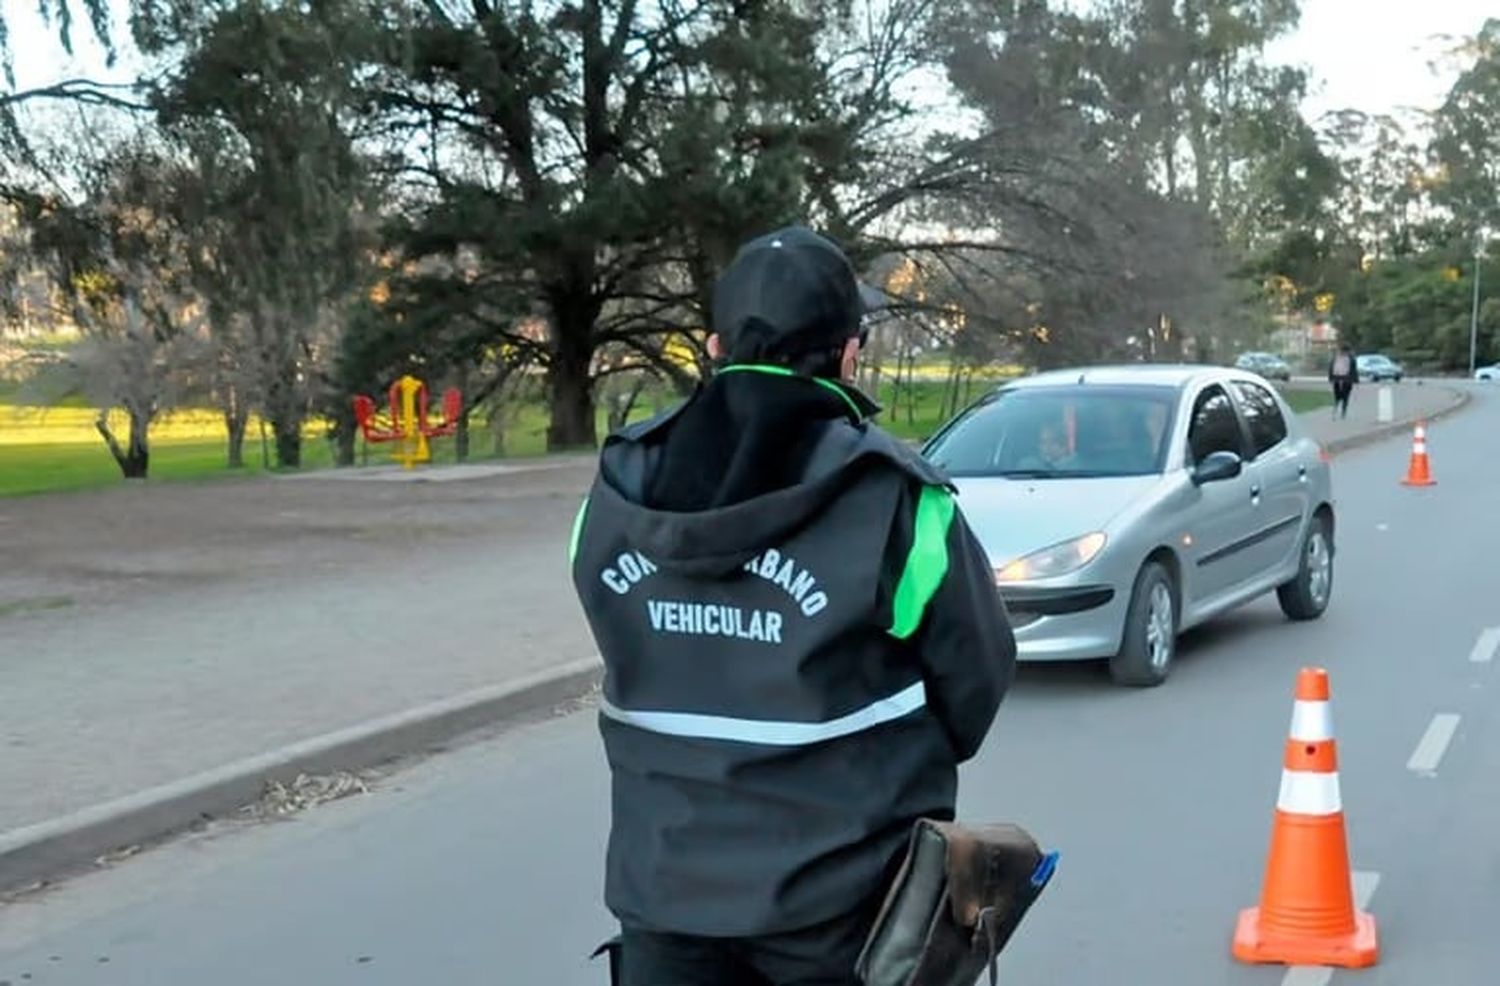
[
  {"x": 150, "y": 634},
  {"x": 1411, "y": 400}
]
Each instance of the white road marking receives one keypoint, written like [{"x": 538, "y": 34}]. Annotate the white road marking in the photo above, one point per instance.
[
  {"x": 1382, "y": 527},
  {"x": 1365, "y": 883},
  {"x": 1434, "y": 743},
  {"x": 1486, "y": 646}
]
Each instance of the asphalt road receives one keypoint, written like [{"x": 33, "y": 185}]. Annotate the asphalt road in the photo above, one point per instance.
[{"x": 482, "y": 865}]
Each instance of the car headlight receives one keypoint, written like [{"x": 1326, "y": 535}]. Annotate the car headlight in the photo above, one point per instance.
[{"x": 1060, "y": 559}]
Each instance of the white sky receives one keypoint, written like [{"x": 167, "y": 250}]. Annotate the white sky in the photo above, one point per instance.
[{"x": 1373, "y": 55}]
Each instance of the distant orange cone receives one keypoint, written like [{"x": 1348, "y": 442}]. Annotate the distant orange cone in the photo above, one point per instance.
[
  {"x": 1306, "y": 914},
  {"x": 1419, "y": 472}
]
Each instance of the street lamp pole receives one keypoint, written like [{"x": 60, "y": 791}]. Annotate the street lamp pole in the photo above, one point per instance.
[{"x": 1474, "y": 314}]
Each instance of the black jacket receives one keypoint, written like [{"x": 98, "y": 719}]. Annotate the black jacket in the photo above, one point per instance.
[{"x": 802, "y": 640}]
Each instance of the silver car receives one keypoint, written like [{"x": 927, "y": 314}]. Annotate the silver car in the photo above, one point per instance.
[{"x": 1123, "y": 505}]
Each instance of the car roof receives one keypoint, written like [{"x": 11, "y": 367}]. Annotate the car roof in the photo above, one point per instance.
[{"x": 1135, "y": 374}]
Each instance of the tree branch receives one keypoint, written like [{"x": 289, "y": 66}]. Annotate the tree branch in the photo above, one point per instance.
[{"x": 79, "y": 91}]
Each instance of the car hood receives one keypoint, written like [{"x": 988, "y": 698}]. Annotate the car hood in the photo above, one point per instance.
[{"x": 1015, "y": 517}]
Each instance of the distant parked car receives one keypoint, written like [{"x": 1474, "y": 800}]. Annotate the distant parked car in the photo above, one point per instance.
[
  {"x": 1490, "y": 373},
  {"x": 1268, "y": 365},
  {"x": 1376, "y": 368}
]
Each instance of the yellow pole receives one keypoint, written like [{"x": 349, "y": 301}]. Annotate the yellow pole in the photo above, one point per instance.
[
  {"x": 413, "y": 445},
  {"x": 408, "y": 420}
]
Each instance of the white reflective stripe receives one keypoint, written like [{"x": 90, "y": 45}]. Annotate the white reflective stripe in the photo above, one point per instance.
[
  {"x": 1305, "y": 793},
  {"x": 771, "y": 732},
  {"x": 1311, "y": 721}
]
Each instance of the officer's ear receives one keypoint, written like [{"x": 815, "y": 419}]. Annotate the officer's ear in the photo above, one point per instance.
[
  {"x": 715, "y": 346},
  {"x": 849, "y": 361}
]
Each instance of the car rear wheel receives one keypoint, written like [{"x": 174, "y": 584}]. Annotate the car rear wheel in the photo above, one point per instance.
[
  {"x": 1307, "y": 595},
  {"x": 1150, "y": 640}
]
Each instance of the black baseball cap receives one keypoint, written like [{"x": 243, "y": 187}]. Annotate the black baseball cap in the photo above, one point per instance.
[{"x": 786, "y": 294}]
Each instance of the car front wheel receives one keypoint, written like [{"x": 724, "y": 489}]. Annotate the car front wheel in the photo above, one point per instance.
[
  {"x": 1307, "y": 595},
  {"x": 1150, "y": 640}
]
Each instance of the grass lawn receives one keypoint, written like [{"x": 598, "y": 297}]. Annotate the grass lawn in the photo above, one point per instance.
[
  {"x": 1303, "y": 401},
  {"x": 916, "y": 415},
  {"x": 44, "y": 450},
  {"x": 56, "y": 449}
]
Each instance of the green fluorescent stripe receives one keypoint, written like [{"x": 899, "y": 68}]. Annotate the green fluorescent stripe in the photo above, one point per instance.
[
  {"x": 927, "y": 562},
  {"x": 768, "y": 370},
  {"x": 781, "y": 371},
  {"x": 583, "y": 510}
]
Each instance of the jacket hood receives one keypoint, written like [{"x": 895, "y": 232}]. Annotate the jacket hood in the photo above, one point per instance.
[{"x": 749, "y": 459}]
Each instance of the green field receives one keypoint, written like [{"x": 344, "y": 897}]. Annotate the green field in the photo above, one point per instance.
[
  {"x": 1303, "y": 401},
  {"x": 57, "y": 449},
  {"x": 67, "y": 454}
]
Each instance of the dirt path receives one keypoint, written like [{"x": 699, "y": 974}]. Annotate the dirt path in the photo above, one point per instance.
[{"x": 153, "y": 632}]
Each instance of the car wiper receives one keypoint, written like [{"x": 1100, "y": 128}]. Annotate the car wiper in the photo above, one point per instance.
[{"x": 1061, "y": 473}]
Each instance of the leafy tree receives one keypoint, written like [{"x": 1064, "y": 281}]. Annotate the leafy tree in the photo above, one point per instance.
[
  {"x": 1466, "y": 143},
  {"x": 121, "y": 263},
  {"x": 261, "y": 103}
]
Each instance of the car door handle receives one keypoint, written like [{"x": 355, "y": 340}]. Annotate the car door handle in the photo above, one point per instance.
[{"x": 1255, "y": 492}]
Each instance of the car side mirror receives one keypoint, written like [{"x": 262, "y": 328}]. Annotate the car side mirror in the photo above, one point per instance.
[{"x": 1217, "y": 467}]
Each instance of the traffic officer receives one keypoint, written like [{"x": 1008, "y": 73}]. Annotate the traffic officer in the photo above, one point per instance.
[{"x": 802, "y": 641}]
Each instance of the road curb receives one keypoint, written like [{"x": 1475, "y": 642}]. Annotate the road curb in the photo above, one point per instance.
[
  {"x": 62, "y": 845},
  {"x": 1351, "y": 442}
]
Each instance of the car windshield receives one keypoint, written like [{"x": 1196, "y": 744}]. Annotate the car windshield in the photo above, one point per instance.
[{"x": 1071, "y": 432}]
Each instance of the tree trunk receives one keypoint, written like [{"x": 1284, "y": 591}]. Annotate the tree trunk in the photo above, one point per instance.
[
  {"x": 461, "y": 439},
  {"x": 574, "y": 308},
  {"x": 461, "y": 433},
  {"x": 285, "y": 413},
  {"x": 951, "y": 391},
  {"x": 135, "y": 459},
  {"x": 288, "y": 432},
  {"x": 497, "y": 421},
  {"x": 570, "y": 393},
  {"x": 236, "y": 420},
  {"x": 622, "y": 405},
  {"x": 345, "y": 431},
  {"x": 911, "y": 387}
]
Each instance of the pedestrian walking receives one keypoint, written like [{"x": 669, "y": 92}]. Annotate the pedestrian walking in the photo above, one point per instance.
[{"x": 1343, "y": 373}]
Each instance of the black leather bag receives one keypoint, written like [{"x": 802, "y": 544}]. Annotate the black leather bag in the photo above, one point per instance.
[{"x": 957, "y": 899}]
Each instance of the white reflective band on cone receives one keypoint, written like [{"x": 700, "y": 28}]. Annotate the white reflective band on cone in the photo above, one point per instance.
[
  {"x": 1311, "y": 721},
  {"x": 1305, "y": 793}
]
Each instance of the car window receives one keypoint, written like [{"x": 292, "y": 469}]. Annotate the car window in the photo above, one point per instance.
[
  {"x": 1262, "y": 415},
  {"x": 1214, "y": 427},
  {"x": 1063, "y": 432}
]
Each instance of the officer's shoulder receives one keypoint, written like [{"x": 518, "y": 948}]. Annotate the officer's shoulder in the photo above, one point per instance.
[
  {"x": 903, "y": 456},
  {"x": 639, "y": 430}
]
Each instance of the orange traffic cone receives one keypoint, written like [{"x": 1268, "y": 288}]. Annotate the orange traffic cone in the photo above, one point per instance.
[
  {"x": 1419, "y": 472},
  {"x": 1306, "y": 914}
]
